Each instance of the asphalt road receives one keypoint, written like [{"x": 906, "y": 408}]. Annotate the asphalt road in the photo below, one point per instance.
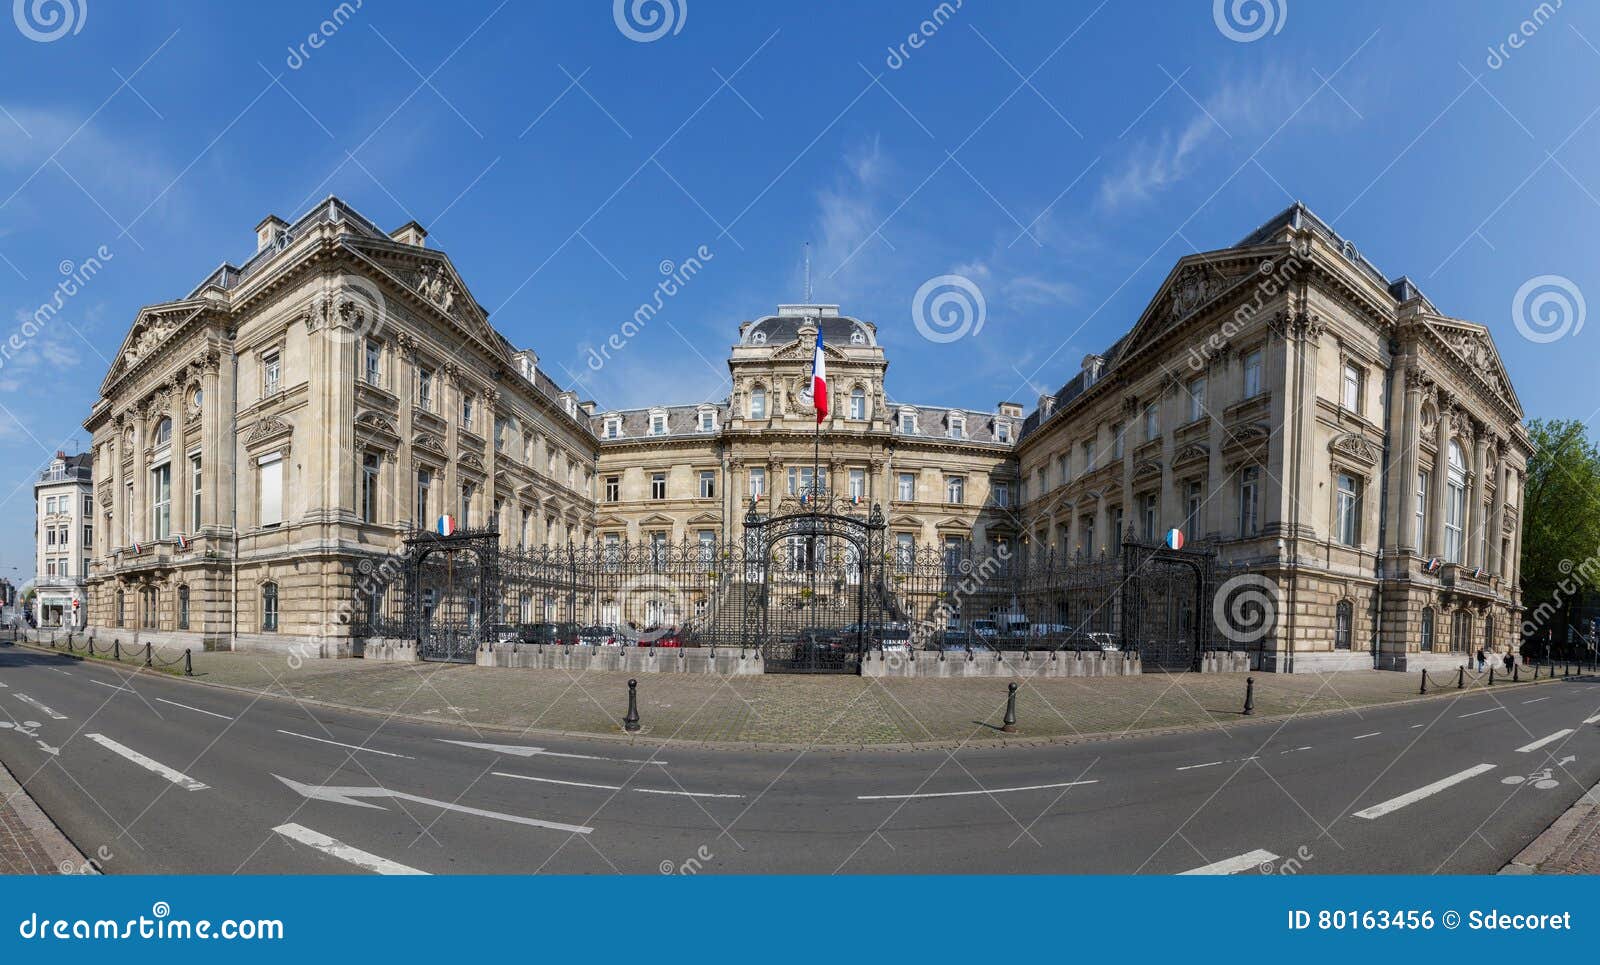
[{"x": 151, "y": 774}]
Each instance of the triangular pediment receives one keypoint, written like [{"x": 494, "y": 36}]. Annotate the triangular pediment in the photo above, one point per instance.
[
  {"x": 152, "y": 328},
  {"x": 801, "y": 349},
  {"x": 1193, "y": 284},
  {"x": 431, "y": 279},
  {"x": 1474, "y": 346}
]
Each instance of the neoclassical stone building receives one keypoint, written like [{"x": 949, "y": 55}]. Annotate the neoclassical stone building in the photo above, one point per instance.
[
  {"x": 294, "y": 416},
  {"x": 1356, "y": 456}
]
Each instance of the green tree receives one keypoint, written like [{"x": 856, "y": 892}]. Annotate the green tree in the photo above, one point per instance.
[{"x": 1561, "y": 519}]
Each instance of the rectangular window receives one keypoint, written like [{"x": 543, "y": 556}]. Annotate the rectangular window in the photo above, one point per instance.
[
  {"x": 708, "y": 484},
  {"x": 271, "y": 373},
  {"x": 1063, "y": 466},
  {"x": 1002, "y": 494},
  {"x": 858, "y": 484},
  {"x": 905, "y": 550},
  {"x": 1147, "y": 507},
  {"x": 1347, "y": 515},
  {"x": 1152, "y": 421},
  {"x": 466, "y": 505},
  {"x": 466, "y": 410},
  {"x": 1088, "y": 456},
  {"x": 707, "y": 538},
  {"x": 1089, "y": 545},
  {"x": 1191, "y": 506},
  {"x": 374, "y": 363},
  {"x": 1351, "y": 398},
  {"x": 955, "y": 489},
  {"x": 758, "y": 482},
  {"x": 1249, "y": 501},
  {"x": 908, "y": 423},
  {"x": 958, "y": 428},
  {"x": 708, "y": 421},
  {"x": 802, "y": 479},
  {"x": 195, "y": 489},
  {"x": 425, "y": 389},
  {"x": 1422, "y": 510},
  {"x": 1252, "y": 374},
  {"x": 1002, "y": 432},
  {"x": 658, "y": 424},
  {"x": 270, "y": 478},
  {"x": 88, "y": 507},
  {"x": 499, "y": 434},
  {"x": 1116, "y": 440},
  {"x": 369, "y": 487},
  {"x": 613, "y": 488},
  {"x": 424, "y": 483},
  {"x": 1455, "y": 513},
  {"x": 49, "y": 505},
  {"x": 161, "y": 501},
  {"x": 1197, "y": 398},
  {"x": 658, "y": 485},
  {"x": 88, "y": 537},
  {"x": 906, "y": 487}
]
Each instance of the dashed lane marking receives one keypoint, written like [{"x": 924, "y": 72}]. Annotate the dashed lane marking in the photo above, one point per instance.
[
  {"x": 111, "y": 686},
  {"x": 1535, "y": 700},
  {"x": 1362, "y": 737},
  {"x": 993, "y": 790},
  {"x": 344, "y": 852},
  {"x": 177, "y": 777},
  {"x": 1526, "y": 748},
  {"x": 1248, "y": 861},
  {"x": 354, "y": 747},
  {"x": 1591, "y": 720},
  {"x": 612, "y": 787},
  {"x": 1475, "y": 713},
  {"x": 1426, "y": 791},
  {"x": 522, "y": 750},
  {"x": 42, "y": 708}
]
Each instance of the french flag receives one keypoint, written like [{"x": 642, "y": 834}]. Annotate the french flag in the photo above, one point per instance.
[
  {"x": 819, "y": 380},
  {"x": 446, "y": 525}
]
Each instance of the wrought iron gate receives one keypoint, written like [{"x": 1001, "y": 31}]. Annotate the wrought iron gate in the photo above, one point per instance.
[
  {"x": 451, "y": 584},
  {"x": 1166, "y": 605},
  {"x": 818, "y": 600}
]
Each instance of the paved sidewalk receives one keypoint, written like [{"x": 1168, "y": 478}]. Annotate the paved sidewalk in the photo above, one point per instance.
[
  {"x": 798, "y": 710},
  {"x": 1571, "y": 846},
  {"x": 30, "y": 844}
]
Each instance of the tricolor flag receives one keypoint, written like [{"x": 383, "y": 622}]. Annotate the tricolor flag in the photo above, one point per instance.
[
  {"x": 184, "y": 541},
  {"x": 1175, "y": 538},
  {"x": 446, "y": 526},
  {"x": 1433, "y": 565},
  {"x": 137, "y": 548},
  {"x": 819, "y": 380}
]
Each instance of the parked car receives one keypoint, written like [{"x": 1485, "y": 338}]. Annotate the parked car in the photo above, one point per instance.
[
  {"x": 669, "y": 638},
  {"x": 560, "y": 634},
  {"x": 984, "y": 628},
  {"x": 892, "y": 638}
]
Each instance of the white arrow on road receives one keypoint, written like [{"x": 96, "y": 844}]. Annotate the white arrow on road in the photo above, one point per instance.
[
  {"x": 1565, "y": 761},
  {"x": 45, "y": 710},
  {"x": 352, "y": 796}
]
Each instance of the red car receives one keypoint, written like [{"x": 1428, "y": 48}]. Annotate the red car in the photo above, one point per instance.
[{"x": 666, "y": 638}]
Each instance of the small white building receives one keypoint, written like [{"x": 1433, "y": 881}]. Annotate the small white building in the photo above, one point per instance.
[{"x": 63, "y": 540}]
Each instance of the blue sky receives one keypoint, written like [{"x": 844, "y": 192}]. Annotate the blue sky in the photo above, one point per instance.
[{"x": 1059, "y": 155}]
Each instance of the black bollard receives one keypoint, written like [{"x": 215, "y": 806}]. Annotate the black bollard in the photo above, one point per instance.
[
  {"x": 188, "y": 664},
  {"x": 1424, "y": 681},
  {"x": 116, "y": 648},
  {"x": 1010, "y": 725},
  {"x": 1461, "y": 676},
  {"x": 148, "y": 654},
  {"x": 1516, "y": 674},
  {"x": 1491, "y": 677},
  {"x": 630, "y": 723},
  {"x": 1249, "y": 696}
]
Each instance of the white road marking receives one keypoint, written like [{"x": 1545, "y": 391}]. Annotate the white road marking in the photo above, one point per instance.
[
  {"x": 551, "y": 780},
  {"x": 1525, "y": 748},
  {"x": 42, "y": 708},
  {"x": 112, "y": 686},
  {"x": 651, "y": 790},
  {"x": 182, "y": 780},
  {"x": 353, "y": 795},
  {"x": 1415, "y": 726},
  {"x": 195, "y": 709},
  {"x": 1475, "y": 713},
  {"x": 520, "y": 750},
  {"x": 611, "y": 787},
  {"x": 1248, "y": 861},
  {"x": 344, "y": 852},
  {"x": 1362, "y": 737},
  {"x": 354, "y": 747},
  {"x": 1242, "y": 760},
  {"x": 1190, "y": 767},
  {"x": 1412, "y": 797},
  {"x": 1535, "y": 700},
  {"x": 1591, "y": 720},
  {"x": 3, "y": 686},
  {"x": 994, "y": 790}
]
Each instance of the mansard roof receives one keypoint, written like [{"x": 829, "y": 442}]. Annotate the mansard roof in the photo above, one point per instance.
[
  {"x": 785, "y": 326},
  {"x": 682, "y": 420}
]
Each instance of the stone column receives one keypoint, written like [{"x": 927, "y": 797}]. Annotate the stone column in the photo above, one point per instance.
[
  {"x": 1476, "y": 535},
  {"x": 1497, "y": 517},
  {"x": 138, "y": 521},
  {"x": 181, "y": 481},
  {"x": 1441, "y": 476},
  {"x": 1406, "y": 536},
  {"x": 451, "y": 391},
  {"x": 216, "y": 483},
  {"x": 1514, "y": 565},
  {"x": 118, "y": 536},
  {"x": 1102, "y": 529},
  {"x": 405, "y": 483},
  {"x": 1313, "y": 465}
]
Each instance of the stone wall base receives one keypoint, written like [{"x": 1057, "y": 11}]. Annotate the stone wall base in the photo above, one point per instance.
[
  {"x": 922, "y": 663},
  {"x": 724, "y": 661}
]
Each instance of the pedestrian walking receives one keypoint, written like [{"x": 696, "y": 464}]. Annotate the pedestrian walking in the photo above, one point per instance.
[
  {"x": 1510, "y": 662},
  {"x": 1482, "y": 660}
]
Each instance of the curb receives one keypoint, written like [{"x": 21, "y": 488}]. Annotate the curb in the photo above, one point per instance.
[
  {"x": 1549, "y": 843},
  {"x": 715, "y": 745},
  {"x": 63, "y": 854}
]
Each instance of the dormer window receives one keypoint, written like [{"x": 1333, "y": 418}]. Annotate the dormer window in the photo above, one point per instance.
[
  {"x": 613, "y": 427},
  {"x": 958, "y": 427},
  {"x": 658, "y": 423},
  {"x": 708, "y": 420},
  {"x": 1002, "y": 431},
  {"x": 908, "y": 421}
]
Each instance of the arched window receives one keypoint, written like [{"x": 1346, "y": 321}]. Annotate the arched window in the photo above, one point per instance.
[
  {"x": 269, "y": 607},
  {"x": 183, "y": 607},
  {"x": 858, "y": 403},
  {"x": 1455, "y": 506},
  {"x": 1488, "y": 634},
  {"x": 758, "y": 402},
  {"x": 163, "y": 433},
  {"x": 1343, "y": 614},
  {"x": 1461, "y": 632},
  {"x": 1425, "y": 638},
  {"x": 122, "y": 608}
]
